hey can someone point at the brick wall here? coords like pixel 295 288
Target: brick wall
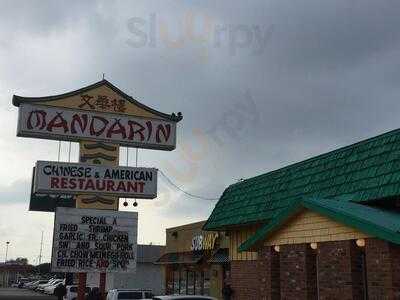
pixel 383 269
pixel 268 269
pixel 340 270
pixel 297 272
pixel 395 257
pixel 245 280
pixel 345 271
pixel 358 270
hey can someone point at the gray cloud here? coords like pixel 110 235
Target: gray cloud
pixel 17 192
pixel 327 76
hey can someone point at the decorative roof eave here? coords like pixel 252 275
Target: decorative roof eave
pixel 276 223
pixel 17 100
pixel 366 219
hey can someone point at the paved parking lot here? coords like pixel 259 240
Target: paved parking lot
pixel 22 294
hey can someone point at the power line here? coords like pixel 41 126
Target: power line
pixel 41 249
pixel 183 191
pixel 59 151
pixel 69 151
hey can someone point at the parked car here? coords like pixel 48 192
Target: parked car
pixel 49 289
pixel 117 294
pixel 40 287
pixel 22 282
pixel 34 285
pixel 184 297
pixel 72 291
pixel 28 284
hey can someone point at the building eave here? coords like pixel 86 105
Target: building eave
pixel 369 220
pixel 17 100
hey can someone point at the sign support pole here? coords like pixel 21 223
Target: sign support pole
pixel 102 285
pixel 95 153
pixel 81 286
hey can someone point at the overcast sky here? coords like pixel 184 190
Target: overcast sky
pixel 261 84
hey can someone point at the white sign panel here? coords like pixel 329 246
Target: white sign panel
pixel 204 242
pixel 89 240
pixel 76 178
pixel 54 123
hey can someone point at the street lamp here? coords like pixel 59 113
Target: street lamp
pixel 7 243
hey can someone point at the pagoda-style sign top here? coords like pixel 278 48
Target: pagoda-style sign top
pixel 98 112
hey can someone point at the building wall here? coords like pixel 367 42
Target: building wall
pixel 308 227
pixel 11 273
pixel 337 269
pixel 182 241
pixel 305 227
pixel 236 238
pixel 179 239
pixel 4 279
pixel 216 281
pixel 383 269
pixel 297 272
pixel 268 269
pixel 147 276
pixel 245 280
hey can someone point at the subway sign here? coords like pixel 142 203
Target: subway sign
pixel 204 241
pixel 40 121
pixel 76 178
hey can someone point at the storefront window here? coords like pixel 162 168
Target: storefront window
pixel 183 290
pixel 206 289
pixel 190 289
pixel 176 282
pixel 198 284
pixel 170 285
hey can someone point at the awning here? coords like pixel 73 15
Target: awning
pixel 180 258
pixel 221 256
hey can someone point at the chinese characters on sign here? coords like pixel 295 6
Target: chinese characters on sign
pixel 76 125
pixel 76 178
pixel 102 102
pixel 88 240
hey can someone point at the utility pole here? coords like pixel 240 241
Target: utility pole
pixel 41 248
pixel 7 243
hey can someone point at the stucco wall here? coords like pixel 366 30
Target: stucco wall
pixel 179 239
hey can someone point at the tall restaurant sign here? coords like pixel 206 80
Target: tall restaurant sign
pixel 89 240
pixel 102 118
pixel 76 178
pixel 53 123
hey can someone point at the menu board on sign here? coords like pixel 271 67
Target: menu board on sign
pixel 89 240
pixel 76 178
pixel 55 123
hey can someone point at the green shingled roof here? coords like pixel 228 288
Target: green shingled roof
pixel 362 172
pixel 374 221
